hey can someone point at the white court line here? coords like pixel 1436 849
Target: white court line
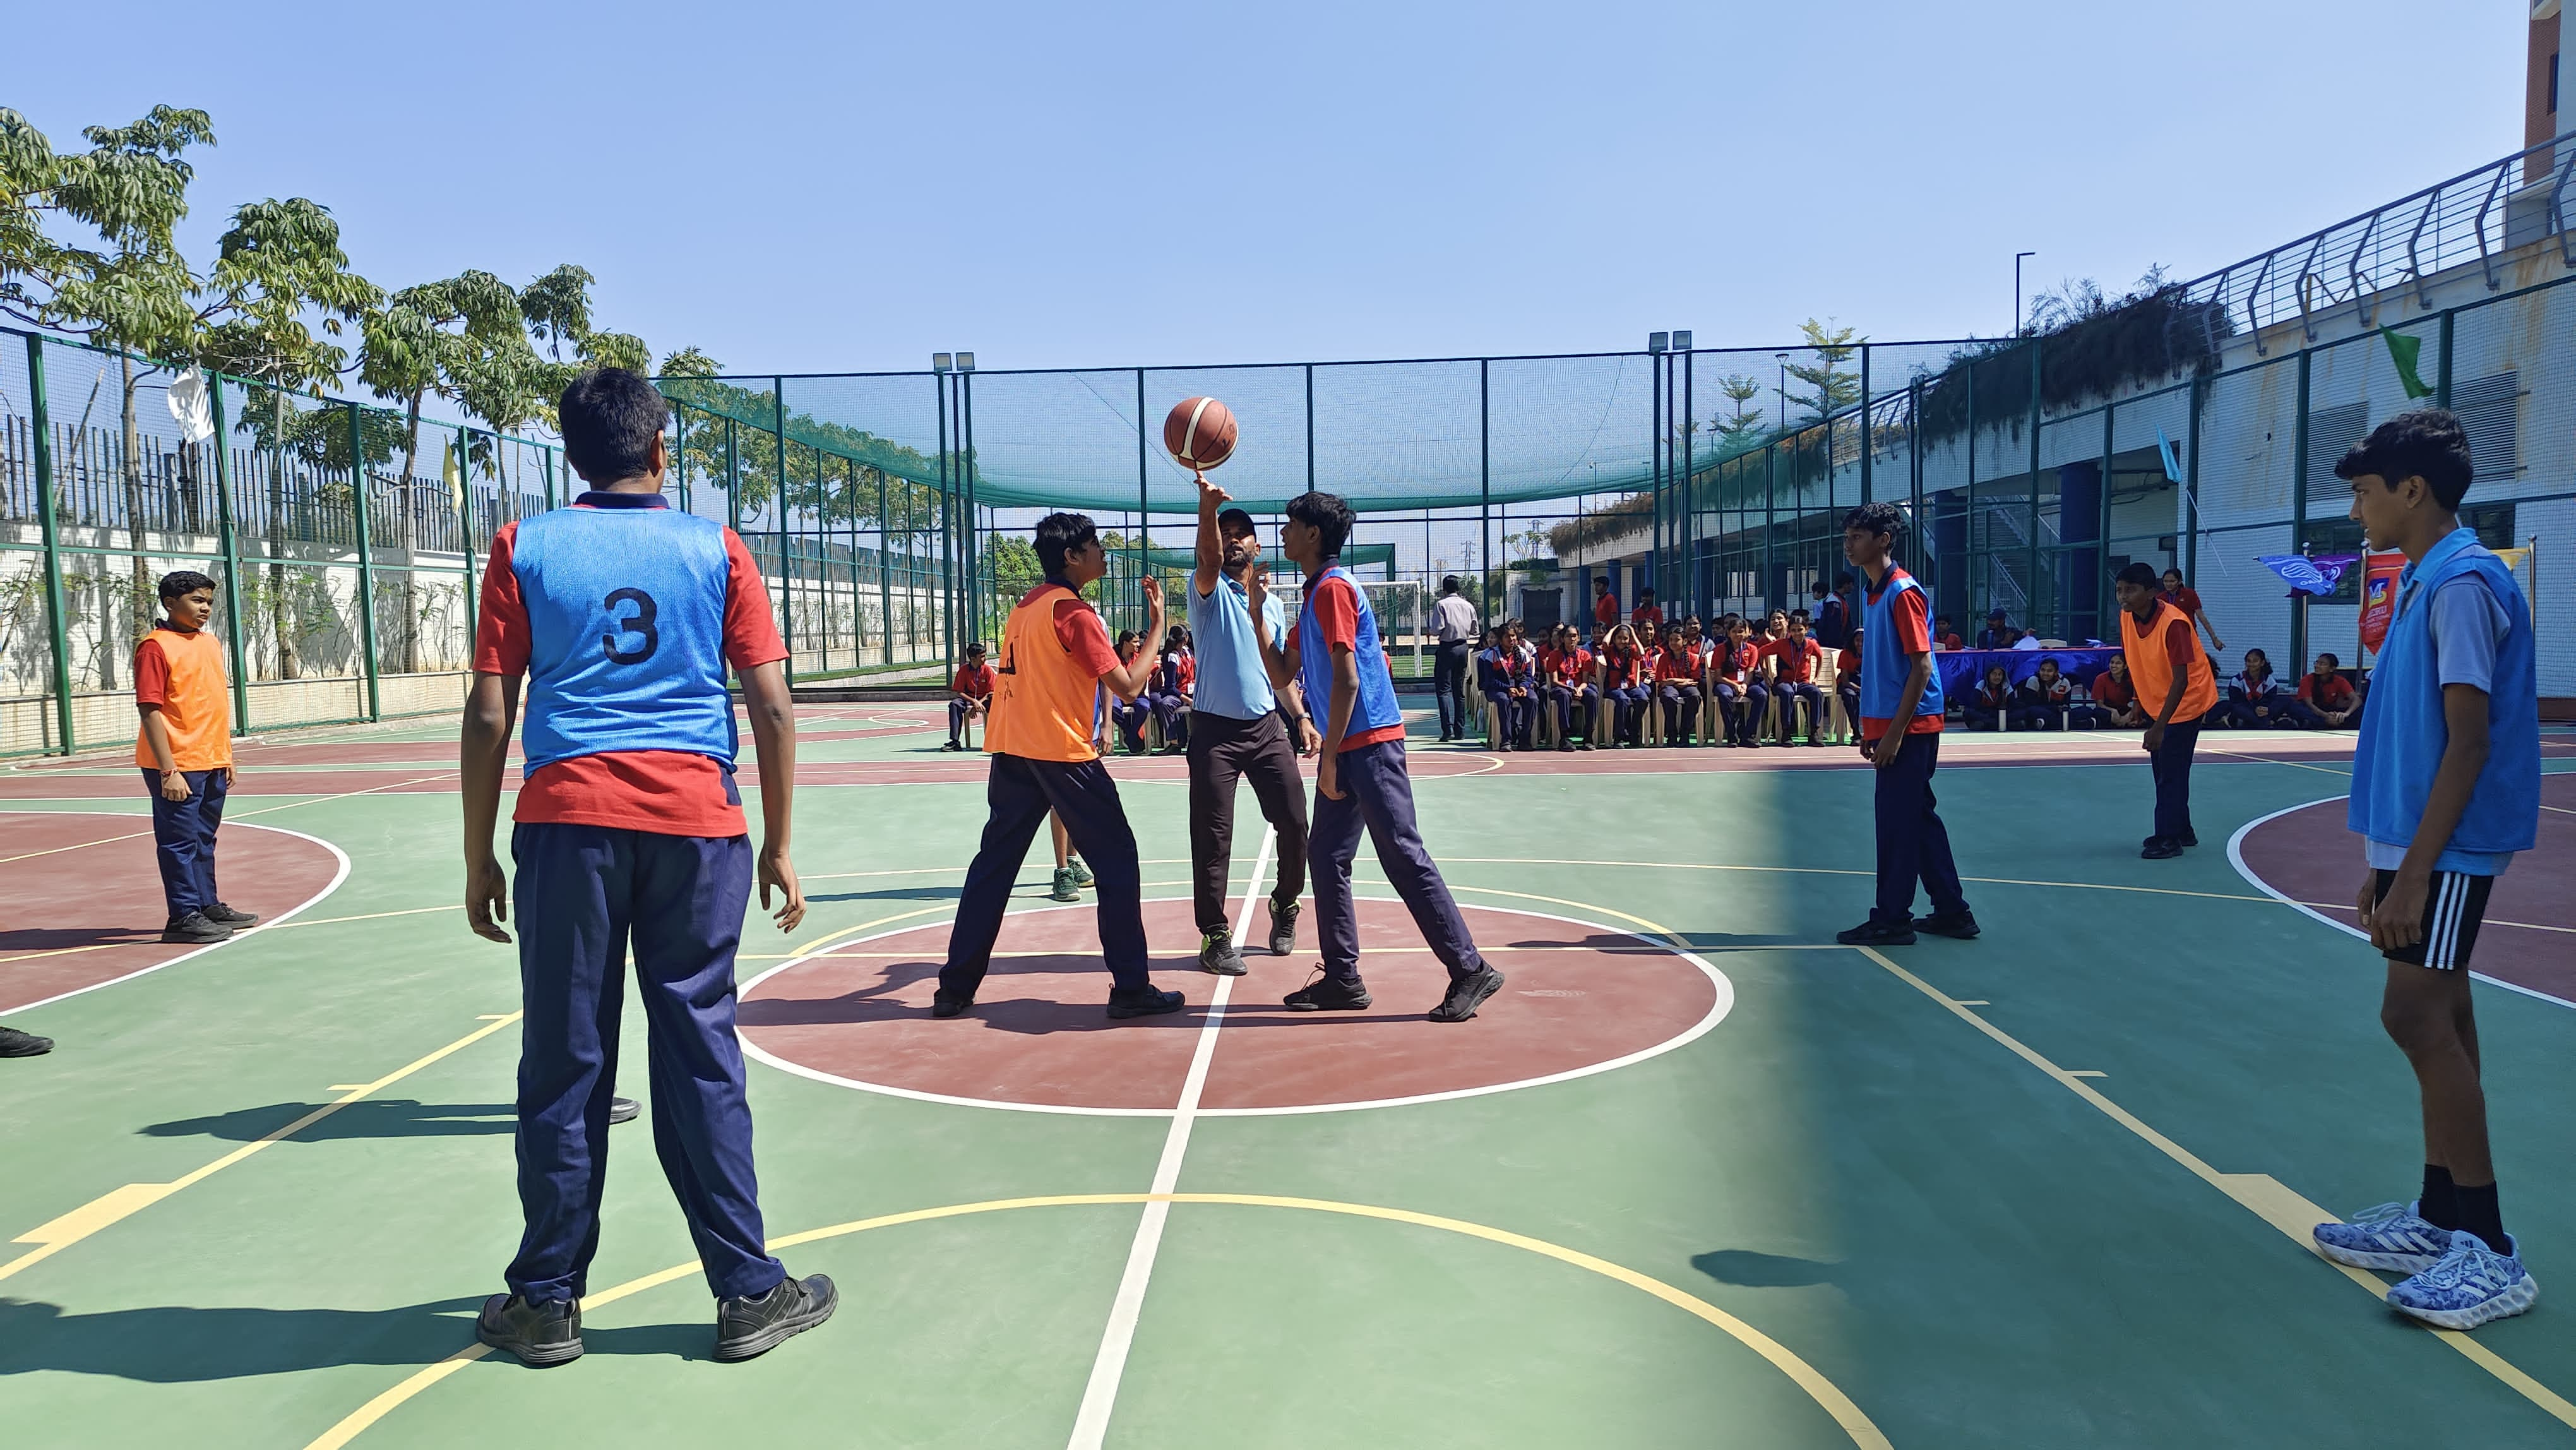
pixel 1091 1423
pixel 337 876
pixel 2236 858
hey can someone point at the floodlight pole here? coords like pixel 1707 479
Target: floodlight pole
pixel 947 593
pixel 974 545
pixel 1485 485
pixel 1690 518
pixel 1144 505
pixel 786 546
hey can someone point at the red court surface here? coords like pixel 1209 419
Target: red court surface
pixel 1578 997
pixel 2529 939
pixel 93 882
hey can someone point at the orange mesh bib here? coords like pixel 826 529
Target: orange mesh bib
pixel 197 714
pixel 1042 696
pixel 2152 673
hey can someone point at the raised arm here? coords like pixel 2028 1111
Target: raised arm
pixel 1128 680
pixel 1211 549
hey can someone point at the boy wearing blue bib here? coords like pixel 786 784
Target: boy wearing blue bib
pixel 2445 789
pixel 1900 732
pixel 1333 653
pixel 623 615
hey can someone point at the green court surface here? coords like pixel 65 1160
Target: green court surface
pixel 2045 1188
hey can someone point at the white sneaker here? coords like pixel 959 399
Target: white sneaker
pixel 2471 1285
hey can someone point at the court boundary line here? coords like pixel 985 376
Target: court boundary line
pixel 338 875
pixel 2236 858
pixel 1718 1011
pixel 1820 1390
pixel 2260 1194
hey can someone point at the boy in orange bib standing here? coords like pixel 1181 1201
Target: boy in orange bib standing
pixel 2176 687
pixel 185 748
pixel 1055 658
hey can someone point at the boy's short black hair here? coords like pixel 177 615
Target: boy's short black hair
pixel 2327 658
pixel 2141 574
pixel 1881 518
pixel 1327 515
pixel 976 648
pixel 610 418
pixel 1648 592
pixel 2427 443
pixel 1059 535
pixel 180 583
pixel 1235 520
pixel 1448 583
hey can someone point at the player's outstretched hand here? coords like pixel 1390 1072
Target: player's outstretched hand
pixel 775 871
pixel 1209 492
pixel 487 899
pixel 1153 594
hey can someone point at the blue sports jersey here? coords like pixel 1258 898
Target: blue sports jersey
pixel 626 614
pixel 1375 708
pixel 1884 665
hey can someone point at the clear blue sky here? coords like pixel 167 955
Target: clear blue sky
pixel 813 187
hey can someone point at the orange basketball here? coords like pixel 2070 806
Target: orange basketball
pixel 1199 433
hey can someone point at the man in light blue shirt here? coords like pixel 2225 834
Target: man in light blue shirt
pixel 1239 728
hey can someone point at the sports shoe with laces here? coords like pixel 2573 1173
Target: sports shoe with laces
pixel 943 1005
pixel 1283 928
pixel 1142 1002
pixel 1466 994
pixel 1081 873
pixel 539 1334
pixel 14 1043
pixel 1217 954
pixel 1877 933
pixel 2161 849
pixel 1959 927
pixel 2384 1236
pixel 222 915
pixel 1329 994
pixel 2469 1285
pixel 195 929
pixel 759 1324
pixel 623 1110
pixel 1064 888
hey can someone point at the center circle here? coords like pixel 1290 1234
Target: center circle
pixel 1579 999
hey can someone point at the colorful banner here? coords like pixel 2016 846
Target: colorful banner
pixel 2379 598
pixel 2316 574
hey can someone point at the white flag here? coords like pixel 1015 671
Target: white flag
pixel 190 404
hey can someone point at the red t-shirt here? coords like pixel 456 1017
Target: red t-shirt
pixel 1797 658
pixel 1079 630
pixel 1570 668
pixel 667 792
pixel 1645 612
pixel 1677 664
pixel 1847 666
pixel 1910 615
pixel 2334 694
pixel 1337 613
pixel 975 682
pixel 1952 641
pixel 2109 689
pixel 2186 599
pixel 1605 611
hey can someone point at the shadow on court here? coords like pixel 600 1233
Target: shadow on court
pixel 170 1344
pixel 1750 1270
pixel 64 938
pixel 369 1118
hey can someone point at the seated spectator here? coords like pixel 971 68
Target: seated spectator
pixel 2255 700
pixel 2117 694
pixel 1569 673
pixel 1130 715
pixel 1494 683
pixel 1627 684
pixel 1847 681
pixel 1998 633
pixel 1790 664
pixel 1736 681
pixel 2326 699
pixel 1991 703
pixel 1679 671
pixel 1647 610
pixel 2044 699
pixel 1520 680
pixel 1944 637
pixel 1174 680
pixel 970 694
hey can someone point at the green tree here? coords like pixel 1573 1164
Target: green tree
pixel 1743 418
pixel 1833 389
pixel 558 308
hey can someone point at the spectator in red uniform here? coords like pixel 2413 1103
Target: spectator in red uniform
pixel 970 694
pixel 1791 665
pixel 2326 700
pixel 2187 599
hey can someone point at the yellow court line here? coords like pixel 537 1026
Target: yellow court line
pixel 369 916
pixel 54 1237
pixel 1828 1396
pixel 2266 1197
pixel 75 951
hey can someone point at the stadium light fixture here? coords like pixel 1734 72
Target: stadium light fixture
pixel 939 362
pixel 965 362
pixel 1681 342
pixel 1657 341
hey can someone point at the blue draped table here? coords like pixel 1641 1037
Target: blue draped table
pixel 1963 669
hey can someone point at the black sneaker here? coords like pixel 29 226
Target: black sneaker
pixel 1283 928
pixel 539 1334
pixel 952 745
pixel 943 1005
pixel 747 1327
pixel 2162 848
pixel 623 1110
pixel 1962 927
pixel 195 929
pixel 1329 994
pixel 1147 1001
pixel 14 1043
pixel 1466 994
pixel 1877 933
pixel 2189 838
pixel 222 915
pixel 1217 954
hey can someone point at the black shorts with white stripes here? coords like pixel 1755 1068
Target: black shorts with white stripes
pixel 2454 907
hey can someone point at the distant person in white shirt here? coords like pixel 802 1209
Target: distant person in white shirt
pixel 1454 621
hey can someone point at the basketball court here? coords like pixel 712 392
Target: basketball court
pixel 1695 1176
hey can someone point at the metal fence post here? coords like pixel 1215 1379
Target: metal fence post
pixel 1144 508
pixel 1493 609
pixel 2442 364
pixel 1929 556
pixel 974 544
pixel 1868 444
pixel 2299 502
pixel 360 506
pixel 2030 550
pixel 2191 483
pixel 1310 440
pixel 885 570
pixel 947 595
pixel 230 542
pixel 42 422
pixel 786 563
